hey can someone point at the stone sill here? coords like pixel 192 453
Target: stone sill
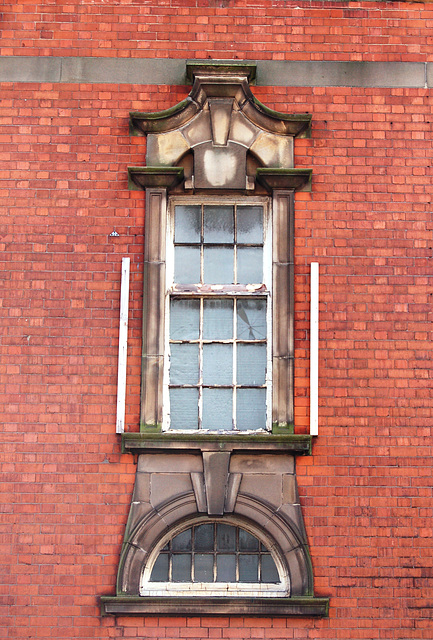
pixel 298 444
pixel 214 606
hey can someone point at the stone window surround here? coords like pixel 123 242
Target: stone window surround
pixel 213 487
pixel 154 310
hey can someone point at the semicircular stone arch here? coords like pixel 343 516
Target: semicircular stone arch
pixel 277 531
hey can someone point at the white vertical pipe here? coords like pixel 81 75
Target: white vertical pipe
pixel 314 349
pixel 123 346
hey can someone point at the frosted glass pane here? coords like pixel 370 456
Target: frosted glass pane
pixel 248 568
pixel 269 570
pixel 184 408
pixel 184 364
pixel 184 319
pixel 218 265
pixel 160 569
pixel 181 567
pixel 250 224
pixel 217 364
pixel 250 265
pixel 203 567
pixel 251 319
pixel 226 537
pixel 187 223
pixel 251 364
pixel 203 537
pixel 217 408
pixel 251 409
pixel 226 568
pixel 182 542
pixel 218 224
pixel 247 542
pixel 187 265
pixel 217 319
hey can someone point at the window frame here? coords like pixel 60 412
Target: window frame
pixel 228 291
pixel 154 309
pixel 215 589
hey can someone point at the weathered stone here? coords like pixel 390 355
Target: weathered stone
pixel 198 130
pixel 273 150
pixel 164 486
pixel 220 167
pixel 264 463
pixel 167 462
pixel 165 149
pixel 242 130
pixel 264 486
pixel 220 116
pixel 216 466
pixel 141 487
pixel 198 485
pixel 232 492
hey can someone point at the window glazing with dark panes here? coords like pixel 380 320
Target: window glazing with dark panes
pixel 219 364
pixel 212 553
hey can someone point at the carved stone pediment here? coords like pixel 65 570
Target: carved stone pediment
pixel 221 125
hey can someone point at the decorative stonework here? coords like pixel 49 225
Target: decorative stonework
pixel 228 132
pixel 220 140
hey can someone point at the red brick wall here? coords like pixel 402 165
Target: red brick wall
pixel 64 149
pixel 257 29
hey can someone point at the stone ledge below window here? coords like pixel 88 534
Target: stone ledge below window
pixel 215 606
pixel 299 444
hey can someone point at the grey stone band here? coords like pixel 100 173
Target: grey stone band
pixel 172 72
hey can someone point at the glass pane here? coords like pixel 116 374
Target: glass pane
pixel 226 568
pixel 184 408
pixel 181 567
pixel 203 537
pixel 250 265
pixel 247 542
pixel 269 570
pixel 218 265
pixel 217 364
pixel 184 364
pixel 182 542
pixel 187 265
pixel 249 568
pixel 217 319
pixel 160 569
pixel 226 537
pixel 250 224
pixel 251 319
pixel 187 223
pixel 184 319
pixel 203 567
pixel 217 409
pixel 251 409
pixel 218 224
pixel 251 364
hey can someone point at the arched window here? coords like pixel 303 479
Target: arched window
pixel 215 557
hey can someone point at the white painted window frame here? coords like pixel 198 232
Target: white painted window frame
pixel 266 203
pixel 212 589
